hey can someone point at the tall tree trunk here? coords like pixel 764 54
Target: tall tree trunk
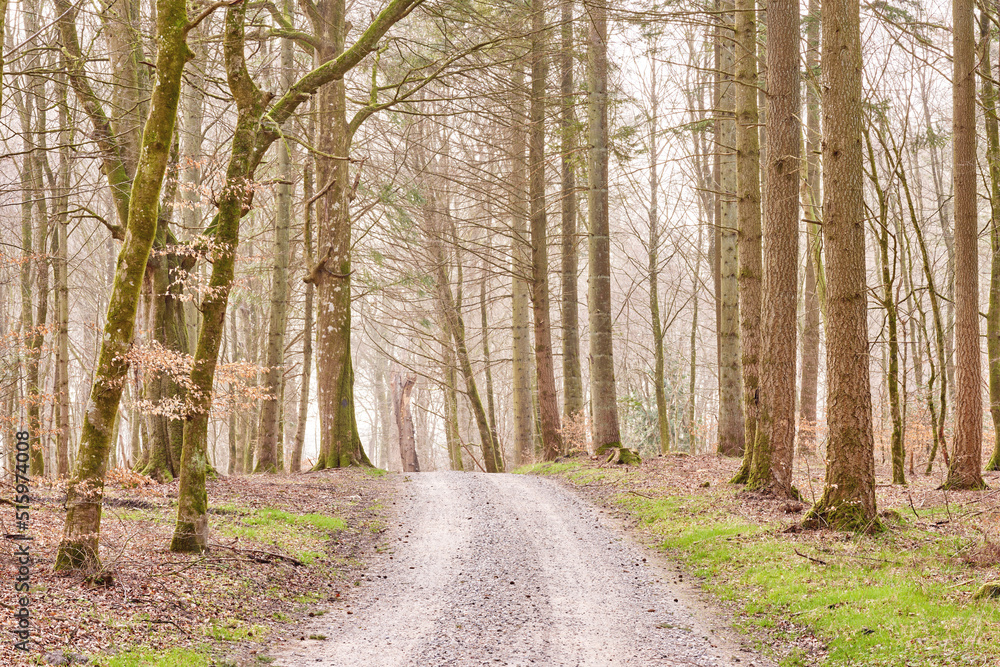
pixel 340 443
pixel 191 529
pixel 487 363
pixel 603 395
pixel 307 326
pixel 85 492
pixel 731 426
pixel 454 326
pixel 775 446
pixel 572 371
pixel 748 214
pixel 848 501
pixel 813 198
pixel 451 430
pixel 989 99
pixel 889 303
pixel 548 406
pixel 966 461
pixel 229 353
pixel 653 270
pixel 270 411
pixel 520 267
pixel 62 281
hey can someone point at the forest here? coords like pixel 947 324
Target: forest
pixel 262 237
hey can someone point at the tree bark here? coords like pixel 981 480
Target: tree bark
pixel 966 461
pixel 989 99
pixel 520 267
pixel 602 370
pixel 191 528
pixel 271 408
pixel 78 548
pixel 848 501
pixel 401 389
pixel 775 445
pixel 653 269
pixel 548 406
pixel 748 214
pixel 572 371
pixel 731 425
pixel 813 198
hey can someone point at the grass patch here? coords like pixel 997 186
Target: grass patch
pixel 375 472
pixel 302 535
pixel 898 598
pixel 234 630
pixel 177 657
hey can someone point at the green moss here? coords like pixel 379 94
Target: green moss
pixel 234 630
pixel 548 468
pixel 302 535
pixel 900 597
pixel 375 472
pixel 177 657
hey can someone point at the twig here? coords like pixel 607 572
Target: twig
pixel 910 498
pixel 641 494
pixel 266 554
pixel 815 560
pixel 473 457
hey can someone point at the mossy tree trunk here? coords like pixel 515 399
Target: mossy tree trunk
pixel 191 528
pixel 79 545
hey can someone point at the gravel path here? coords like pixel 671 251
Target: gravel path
pixel 512 570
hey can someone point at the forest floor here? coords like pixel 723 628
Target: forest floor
pixel 280 545
pixel 904 596
pixel 298 559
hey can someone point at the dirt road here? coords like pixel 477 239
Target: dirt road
pixel 511 570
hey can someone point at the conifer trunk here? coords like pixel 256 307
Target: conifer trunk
pixel 603 394
pixel 774 447
pixel 748 214
pixel 964 470
pixel 848 501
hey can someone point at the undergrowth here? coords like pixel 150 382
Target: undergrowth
pixel 303 535
pixel 899 598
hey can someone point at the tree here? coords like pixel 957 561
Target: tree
pixel 748 215
pixel 402 387
pixel 269 447
pixel 548 408
pixel 964 471
pixel 84 494
pixel 603 395
pixel 812 286
pixel 989 101
pixel 731 426
pixel 662 420
pixel 572 373
pixel 848 500
pixel 774 447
